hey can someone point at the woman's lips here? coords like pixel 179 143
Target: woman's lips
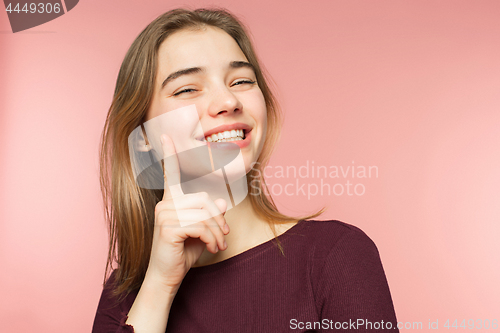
pixel 241 143
pixel 228 144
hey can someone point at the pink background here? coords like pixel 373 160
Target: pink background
pixel 411 87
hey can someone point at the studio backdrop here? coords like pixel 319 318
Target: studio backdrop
pixel 392 118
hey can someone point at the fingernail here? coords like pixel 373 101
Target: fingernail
pixel 161 139
pixel 225 245
pixel 216 249
pixel 226 228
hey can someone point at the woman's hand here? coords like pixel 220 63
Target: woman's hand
pixel 176 248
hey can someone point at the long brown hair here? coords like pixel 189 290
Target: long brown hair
pixel 129 209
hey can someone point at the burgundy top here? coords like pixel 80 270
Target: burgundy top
pixel 330 279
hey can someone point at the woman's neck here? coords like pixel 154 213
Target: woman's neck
pixel 247 230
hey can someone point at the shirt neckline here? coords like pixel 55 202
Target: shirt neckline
pixel 248 253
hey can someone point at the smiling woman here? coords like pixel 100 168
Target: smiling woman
pixel 248 268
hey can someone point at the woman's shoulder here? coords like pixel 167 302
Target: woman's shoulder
pixel 347 275
pixel 327 236
pixel 329 230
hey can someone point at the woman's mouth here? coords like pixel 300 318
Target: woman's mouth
pixel 239 137
pixel 226 136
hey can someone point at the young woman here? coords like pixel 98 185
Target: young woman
pixel 246 269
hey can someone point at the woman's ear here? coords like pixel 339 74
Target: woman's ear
pixel 142 146
pixel 138 141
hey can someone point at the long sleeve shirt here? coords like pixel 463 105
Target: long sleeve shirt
pixel 330 279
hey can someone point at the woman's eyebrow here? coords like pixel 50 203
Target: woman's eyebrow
pixel 194 70
pixel 240 64
pixel 182 72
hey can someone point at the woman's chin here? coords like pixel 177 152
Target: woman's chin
pixel 220 162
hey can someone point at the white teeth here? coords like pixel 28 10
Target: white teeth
pixel 233 135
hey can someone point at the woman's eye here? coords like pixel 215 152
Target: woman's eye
pixel 244 81
pixel 183 91
pixel 235 84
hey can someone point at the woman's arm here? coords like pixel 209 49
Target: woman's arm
pixel 174 251
pixel 111 315
pixel 149 313
pixel 143 311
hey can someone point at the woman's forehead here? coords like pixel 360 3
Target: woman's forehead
pixel 190 48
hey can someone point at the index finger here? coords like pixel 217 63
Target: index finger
pixel 171 170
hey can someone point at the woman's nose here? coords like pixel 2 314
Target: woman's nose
pixel 223 100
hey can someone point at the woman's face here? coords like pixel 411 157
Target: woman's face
pixel 207 69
